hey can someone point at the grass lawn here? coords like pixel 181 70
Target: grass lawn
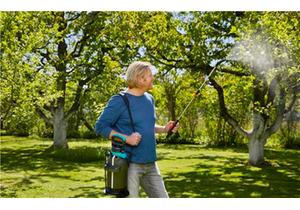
pixel 27 171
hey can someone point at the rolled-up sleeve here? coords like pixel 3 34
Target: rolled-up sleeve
pixel 109 116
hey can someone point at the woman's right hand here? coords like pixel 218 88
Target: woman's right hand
pixel 134 139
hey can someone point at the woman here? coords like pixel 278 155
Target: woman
pixel 140 145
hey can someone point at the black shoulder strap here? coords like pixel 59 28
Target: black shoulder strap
pixel 126 101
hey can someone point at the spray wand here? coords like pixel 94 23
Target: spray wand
pixel 187 106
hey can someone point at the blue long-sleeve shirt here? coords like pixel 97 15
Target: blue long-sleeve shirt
pixel 116 117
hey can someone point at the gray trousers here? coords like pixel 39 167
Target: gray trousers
pixel 148 177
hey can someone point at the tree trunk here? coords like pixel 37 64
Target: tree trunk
pixel 60 129
pixel 59 119
pixel 256 151
pixel 171 101
pixel 257 139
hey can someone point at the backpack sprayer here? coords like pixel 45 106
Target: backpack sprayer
pixel 116 162
pixel 187 106
pixel 116 167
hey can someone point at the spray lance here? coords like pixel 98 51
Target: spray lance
pixel 187 106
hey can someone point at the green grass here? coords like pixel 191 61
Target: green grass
pixel 28 170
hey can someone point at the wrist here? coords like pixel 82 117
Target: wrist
pixel 161 129
pixel 165 129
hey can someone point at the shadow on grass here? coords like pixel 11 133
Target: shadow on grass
pixel 29 159
pixel 232 177
pixel 208 175
pixel 88 192
pixel 27 166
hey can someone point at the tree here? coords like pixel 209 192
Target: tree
pixel 73 50
pixel 273 67
pixel 186 41
pixel 267 55
pixel 16 111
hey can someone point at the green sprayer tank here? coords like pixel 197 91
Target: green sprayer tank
pixel 116 168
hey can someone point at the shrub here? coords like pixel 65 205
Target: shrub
pixel 175 139
pixel 80 155
pixel 89 135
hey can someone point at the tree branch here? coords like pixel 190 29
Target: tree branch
pixel 76 102
pixel 272 91
pixel 43 116
pixel 176 65
pixel 229 71
pixel 82 42
pixel 87 125
pixel 223 110
pixel 293 101
pixel 76 53
pixel 279 115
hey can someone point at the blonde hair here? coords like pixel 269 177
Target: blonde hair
pixel 135 71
